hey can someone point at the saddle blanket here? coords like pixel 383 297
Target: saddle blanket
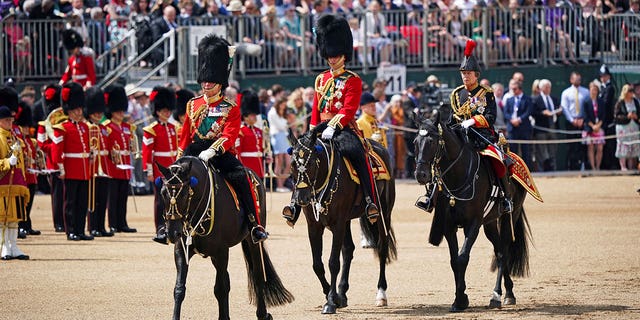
pixel 378 167
pixel 520 172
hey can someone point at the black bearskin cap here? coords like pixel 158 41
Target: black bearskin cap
pixel 182 98
pixel 213 61
pixel 71 39
pixel 94 98
pixel 333 37
pixel 9 98
pixel 250 103
pixel 52 97
pixel 470 62
pixel 115 98
pixel 23 115
pixel 72 96
pixel 162 98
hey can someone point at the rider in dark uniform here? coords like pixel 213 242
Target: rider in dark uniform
pixel 212 124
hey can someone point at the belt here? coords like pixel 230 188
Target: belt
pixel 76 155
pixel 326 116
pixel 165 153
pixel 123 152
pixel 256 154
pixel 103 152
pixel 79 77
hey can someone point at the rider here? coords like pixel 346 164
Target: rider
pixel 212 124
pixel 336 100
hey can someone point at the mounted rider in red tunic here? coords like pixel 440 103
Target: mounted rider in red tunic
pixel 212 124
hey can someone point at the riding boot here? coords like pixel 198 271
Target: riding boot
pixel 240 182
pixel 507 204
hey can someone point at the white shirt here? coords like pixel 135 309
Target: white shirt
pixel 277 123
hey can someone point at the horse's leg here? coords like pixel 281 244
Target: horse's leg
pixel 452 241
pixel 338 232
pixel 383 253
pixel 462 260
pixel 222 287
pixel 347 256
pixel 316 231
pixel 491 231
pixel 180 289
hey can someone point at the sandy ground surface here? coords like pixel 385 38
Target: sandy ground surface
pixel 585 264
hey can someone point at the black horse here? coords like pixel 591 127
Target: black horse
pixel 331 199
pixel 465 193
pixel 203 216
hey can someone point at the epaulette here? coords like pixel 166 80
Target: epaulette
pixel 352 74
pixel 487 88
pixel 232 103
pixel 149 129
pixel 59 126
pixel 318 80
pixel 106 122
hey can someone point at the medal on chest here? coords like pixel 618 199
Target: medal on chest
pixel 478 104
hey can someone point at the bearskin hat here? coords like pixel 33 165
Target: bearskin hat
pixel 72 96
pixel 470 62
pixel 213 61
pixel 9 98
pixel 162 98
pixel 24 118
pixel 71 39
pixel 182 98
pixel 333 37
pixel 115 99
pixel 51 97
pixel 250 103
pixel 94 101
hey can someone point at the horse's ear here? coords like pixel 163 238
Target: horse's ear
pixel 444 113
pixel 293 141
pixel 163 170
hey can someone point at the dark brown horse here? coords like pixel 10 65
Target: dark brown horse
pixel 331 199
pixel 465 195
pixel 202 217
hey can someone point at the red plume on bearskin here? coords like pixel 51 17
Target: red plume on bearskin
pixel 106 98
pixel 468 50
pixel 66 91
pixel 153 95
pixel 50 93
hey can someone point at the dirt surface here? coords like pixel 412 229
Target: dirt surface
pixel 585 264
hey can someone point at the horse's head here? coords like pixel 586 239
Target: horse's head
pixel 305 163
pixel 428 146
pixel 177 192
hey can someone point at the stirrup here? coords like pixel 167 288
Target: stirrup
pixel 258 234
pixel 507 205
pixel 372 212
pixel 426 204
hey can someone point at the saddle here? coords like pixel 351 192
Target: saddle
pixel 518 170
pixel 378 167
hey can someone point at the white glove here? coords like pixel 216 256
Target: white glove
pixel 13 160
pixel 468 123
pixel 149 170
pixel 207 154
pixel 328 133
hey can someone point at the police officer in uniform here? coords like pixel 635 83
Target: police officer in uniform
pixel 212 124
pixel 71 152
pixel 80 66
pixel 160 144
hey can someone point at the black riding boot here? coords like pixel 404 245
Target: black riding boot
pixel 238 179
pixel 366 183
pixel 507 204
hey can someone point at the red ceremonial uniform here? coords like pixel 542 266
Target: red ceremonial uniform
pixel 44 138
pixel 337 99
pixel 250 148
pixel 119 146
pixel 71 149
pixel 80 69
pixel 100 165
pixel 159 143
pixel 218 121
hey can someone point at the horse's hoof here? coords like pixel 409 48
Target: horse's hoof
pixel 329 309
pixel 495 304
pixel 266 317
pixel 510 301
pixel 381 302
pixel 342 301
pixel 460 304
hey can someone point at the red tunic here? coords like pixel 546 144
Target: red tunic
pixel 80 69
pixel 337 99
pixel 100 167
pixel 219 122
pixel 119 146
pixel 71 149
pixel 250 148
pixel 159 143
pixel 44 138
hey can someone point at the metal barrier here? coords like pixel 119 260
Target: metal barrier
pixel 418 39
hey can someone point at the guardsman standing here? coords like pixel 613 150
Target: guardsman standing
pixel 21 128
pixel 119 144
pixel 99 186
pixel 368 123
pixel 71 152
pixel 249 144
pixel 80 66
pixel 45 143
pixel 212 124
pixel 160 144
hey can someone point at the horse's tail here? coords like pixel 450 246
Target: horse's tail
pixel 275 294
pixel 518 255
pixel 372 234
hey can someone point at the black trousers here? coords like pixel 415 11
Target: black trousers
pixel 26 225
pixel 57 199
pixel 351 147
pixel 118 194
pixel 97 217
pixel 233 171
pixel 76 199
pixel 158 207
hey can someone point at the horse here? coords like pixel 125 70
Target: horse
pixel 462 185
pixel 203 216
pixel 331 199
